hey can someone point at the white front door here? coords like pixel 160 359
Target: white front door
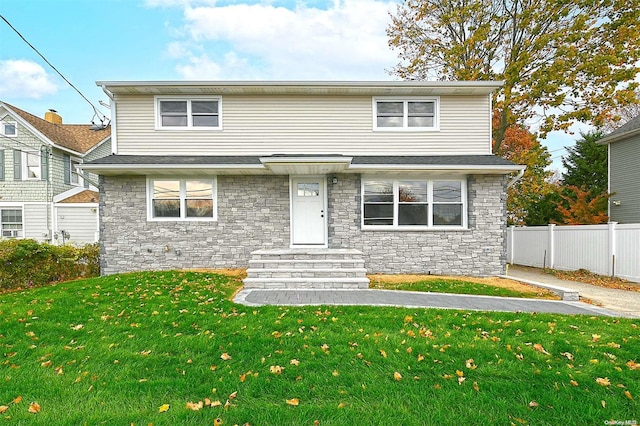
pixel 308 211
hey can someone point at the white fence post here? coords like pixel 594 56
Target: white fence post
pixel 612 248
pixel 511 247
pixel 551 246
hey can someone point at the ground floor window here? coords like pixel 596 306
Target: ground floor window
pixel 11 222
pixel 414 203
pixel 181 199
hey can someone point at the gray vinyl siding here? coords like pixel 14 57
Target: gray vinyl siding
pixel 102 150
pixel 261 125
pixel 35 218
pixel 624 175
pixel 80 221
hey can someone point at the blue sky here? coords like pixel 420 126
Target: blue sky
pixel 89 40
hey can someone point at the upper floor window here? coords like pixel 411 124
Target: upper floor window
pixel 201 113
pixel 11 222
pixel 75 176
pixel 414 203
pixel 188 199
pixel 31 168
pixel 405 114
pixel 9 128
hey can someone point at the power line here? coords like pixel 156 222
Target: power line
pixel 95 110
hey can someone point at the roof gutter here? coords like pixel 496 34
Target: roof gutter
pixel 516 178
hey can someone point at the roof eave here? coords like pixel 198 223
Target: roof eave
pixel 619 136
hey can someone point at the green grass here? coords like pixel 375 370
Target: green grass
pixel 128 344
pixel 439 285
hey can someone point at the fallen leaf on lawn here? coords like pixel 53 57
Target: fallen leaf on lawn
pixel 603 382
pixel 294 401
pixel 225 356
pixel 233 395
pixel 538 347
pixel 613 345
pixel 216 403
pixel 383 353
pixel 470 364
pixel 459 373
pixel 163 408
pixel 294 362
pixel 573 383
pixel 476 387
pixel 276 369
pixel 520 357
pixel 533 404
pixel 77 327
pixel 227 405
pixel 397 376
pixel 195 406
pixel 633 365
pixel 568 355
pixel 595 337
pixel 34 408
pixel 420 358
pixel 217 422
pixel 628 394
pixel 3 408
pixel 335 373
pixel 461 379
pixel 603 403
pixel 243 377
pixel 17 399
pixel 46 364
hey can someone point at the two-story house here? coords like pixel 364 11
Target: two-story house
pixel 303 182
pixel 43 195
pixel 624 172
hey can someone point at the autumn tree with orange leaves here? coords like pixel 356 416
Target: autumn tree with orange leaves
pixel 522 147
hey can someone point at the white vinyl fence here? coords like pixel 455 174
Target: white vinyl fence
pixel 610 249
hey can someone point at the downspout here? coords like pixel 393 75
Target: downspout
pixel 516 178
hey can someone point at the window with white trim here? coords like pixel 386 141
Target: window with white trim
pixel 187 199
pixel 9 128
pixel 31 167
pixel 74 175
pixel 405 114
pixel 11 222
pixel 414 203
pixel 197 113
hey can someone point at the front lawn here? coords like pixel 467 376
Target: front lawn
pixel 152 348
pixel 488 286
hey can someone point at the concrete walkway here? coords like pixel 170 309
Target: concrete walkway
pixel 293 297
pixel 627 303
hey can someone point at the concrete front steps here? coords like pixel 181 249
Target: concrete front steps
pixel 306 268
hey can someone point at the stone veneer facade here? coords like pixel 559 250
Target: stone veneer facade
pixel 253 213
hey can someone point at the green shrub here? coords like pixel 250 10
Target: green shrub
pixel 27 263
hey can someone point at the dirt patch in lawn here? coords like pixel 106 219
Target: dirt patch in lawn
pixel 506 283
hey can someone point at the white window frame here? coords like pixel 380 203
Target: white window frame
pixel 73 171
pixel 396 202
pixel 4 129
pixel 183 198
pixel 15 233
pixel 188 100
pixel 405 126
pixel 25 165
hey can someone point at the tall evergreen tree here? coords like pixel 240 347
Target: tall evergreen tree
pixel 586 164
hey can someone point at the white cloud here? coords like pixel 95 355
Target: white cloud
pixel 345 40
pixel 20 78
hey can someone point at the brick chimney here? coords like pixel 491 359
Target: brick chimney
pixel 52 116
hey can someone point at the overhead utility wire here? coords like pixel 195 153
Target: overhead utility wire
pixel 95 110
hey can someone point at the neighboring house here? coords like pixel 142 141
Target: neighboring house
pixel 303 182
pixel 43 195
pixel 624 172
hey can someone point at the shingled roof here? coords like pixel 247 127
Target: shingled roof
pixel 76 137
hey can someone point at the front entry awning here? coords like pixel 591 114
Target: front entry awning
pixel 301 164
pixel 306 164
